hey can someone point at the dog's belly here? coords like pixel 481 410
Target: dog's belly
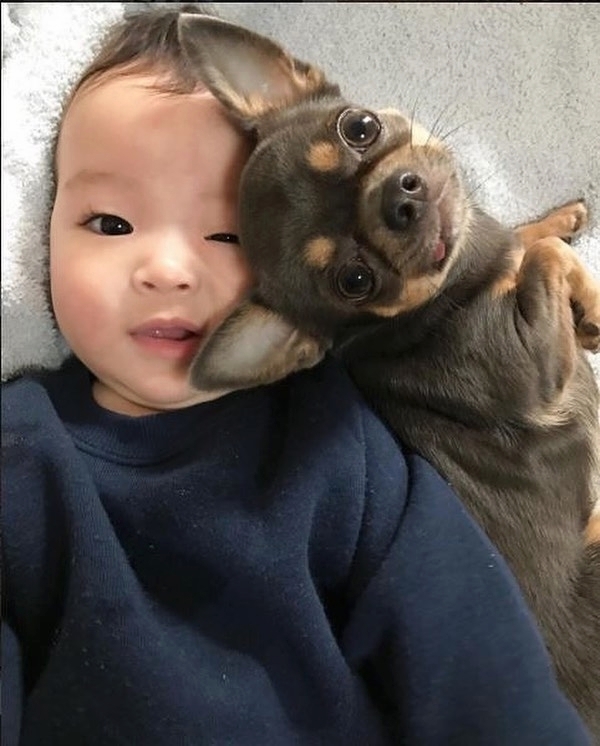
pixel 527 481
pixel 516 435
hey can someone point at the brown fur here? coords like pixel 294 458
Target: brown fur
pixel 319 252
pixel 324 156
pixel 464 335
pixel 592 530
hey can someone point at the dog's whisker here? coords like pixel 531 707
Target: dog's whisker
pixel 480 184
pixel 437 120
pixel 412 122
pixel 454 130
pixel 436 123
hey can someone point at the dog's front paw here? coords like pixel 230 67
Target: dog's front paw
pixel 587 322
pixel 562 222
pixel 568 220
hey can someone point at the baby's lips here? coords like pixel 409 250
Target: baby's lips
pixel 174 332
pixel 175 329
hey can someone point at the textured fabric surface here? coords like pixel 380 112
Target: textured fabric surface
pixel 45 47
pixel 515 86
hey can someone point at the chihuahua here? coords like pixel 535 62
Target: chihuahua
pixel 465 336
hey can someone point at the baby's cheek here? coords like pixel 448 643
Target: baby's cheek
pixel 236 276
pixel 81 308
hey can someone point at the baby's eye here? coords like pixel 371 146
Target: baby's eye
pixel 109 225
pixel 223 237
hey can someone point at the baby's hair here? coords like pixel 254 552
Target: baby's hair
pixel 145 41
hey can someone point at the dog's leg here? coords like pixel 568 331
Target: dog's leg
pixel 551 265
pixel 557 307
pixel 550 281
pixel 563 222
pixel 584 294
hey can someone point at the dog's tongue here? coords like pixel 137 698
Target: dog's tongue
pixel 439 252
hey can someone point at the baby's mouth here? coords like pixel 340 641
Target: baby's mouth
pixel 169 338
pixel 175 333
pixel 167 328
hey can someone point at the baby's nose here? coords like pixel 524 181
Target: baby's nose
pixel 166 268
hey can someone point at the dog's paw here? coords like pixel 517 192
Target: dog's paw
pixel 568 220
pixel 587 324
pixel 588 334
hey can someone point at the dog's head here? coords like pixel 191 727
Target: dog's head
pixel 345 212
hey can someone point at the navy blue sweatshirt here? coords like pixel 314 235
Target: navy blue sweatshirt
pixel 265 569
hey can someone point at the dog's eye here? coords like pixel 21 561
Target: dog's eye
pixel 358 128
pixel 355 281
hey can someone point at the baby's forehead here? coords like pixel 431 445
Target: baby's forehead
pixel 128 125
pixel 123 106
pixel 113 90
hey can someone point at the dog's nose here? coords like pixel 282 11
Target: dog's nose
pixel 404 200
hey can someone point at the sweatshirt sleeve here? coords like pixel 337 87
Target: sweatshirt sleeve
pixel 440 632
pixel 12 687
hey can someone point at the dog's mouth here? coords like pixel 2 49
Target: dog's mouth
pixel 440 253
pixel 411 214
pixel 444 243
pixel 385 271
pixel 429 254
pixel 448 220
pixel 368 270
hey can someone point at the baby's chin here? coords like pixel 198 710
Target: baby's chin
pixel 141 401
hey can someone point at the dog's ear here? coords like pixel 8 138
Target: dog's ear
pixel 249 73
pixel 254 346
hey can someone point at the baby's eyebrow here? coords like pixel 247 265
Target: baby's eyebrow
pixel 89 177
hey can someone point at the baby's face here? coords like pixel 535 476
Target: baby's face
pixel 144 259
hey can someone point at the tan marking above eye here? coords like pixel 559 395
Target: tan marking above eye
pixel 416 292
pixel 323 156
pixel 420 136
pixel 319 252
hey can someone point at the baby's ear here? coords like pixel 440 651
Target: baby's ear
pixel 250 74
pixel 254 346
